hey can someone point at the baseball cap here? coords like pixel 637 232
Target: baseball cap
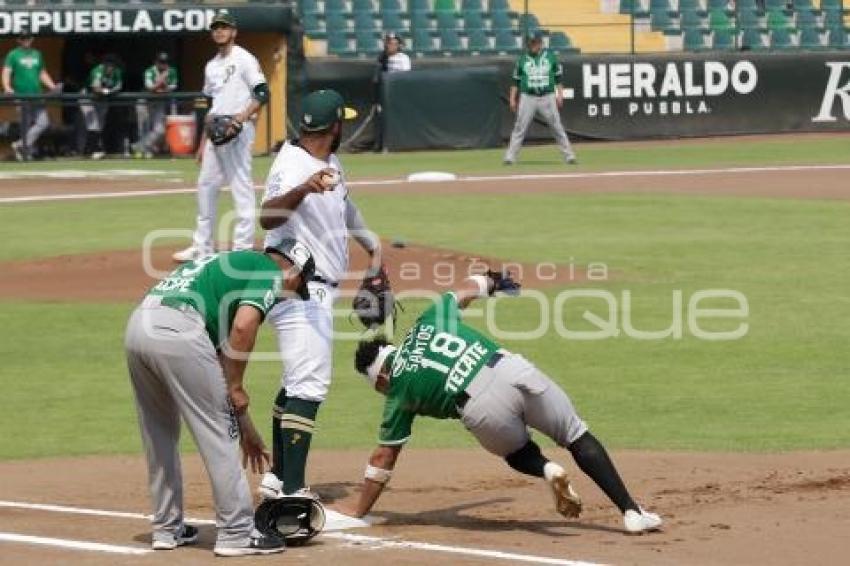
pixel 162 57
pixel 323 108
pixel 223 18
pixel 535 35
pixel 301 258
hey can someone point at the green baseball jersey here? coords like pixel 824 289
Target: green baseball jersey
pixel 537 74
pixel 217 285
pixel 26 66
pixel 440 355
pixel 152 76
pixel 99 78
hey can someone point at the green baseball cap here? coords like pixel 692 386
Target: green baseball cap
pixel 322 109
pixel 223 18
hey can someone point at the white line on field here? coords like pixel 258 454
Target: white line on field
pixel 387 543
pixel 74 544
pixel 470 179
pixel 347 537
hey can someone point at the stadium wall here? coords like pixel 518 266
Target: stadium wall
pixel 623 97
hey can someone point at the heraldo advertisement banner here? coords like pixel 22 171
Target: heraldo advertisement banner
pixel 693 95
pixel 131 19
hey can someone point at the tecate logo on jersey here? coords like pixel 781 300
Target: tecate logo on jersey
pixel 685 86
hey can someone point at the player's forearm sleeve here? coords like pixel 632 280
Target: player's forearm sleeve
pixel 357 227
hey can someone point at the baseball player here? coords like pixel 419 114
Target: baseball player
pixel 537 90
pixel 306 198
pixel 391 60
pixel 159 78
pixel 105 79
pixel 187 346
pixel 446 369
pixel 24 73
pixel 236 84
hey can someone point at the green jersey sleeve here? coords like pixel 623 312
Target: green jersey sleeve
pixel 396 424
pixel 262 291
pixel 444 312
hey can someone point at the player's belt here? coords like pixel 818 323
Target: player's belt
pixel 463 397
pixel 322 280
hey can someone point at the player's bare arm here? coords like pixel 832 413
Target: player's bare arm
pixel 46 80
pixel 512 98
pixel 275 211
pixel 378 473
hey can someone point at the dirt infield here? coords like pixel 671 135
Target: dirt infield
pixel 725 509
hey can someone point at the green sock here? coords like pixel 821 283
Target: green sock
pixel 296 427
pixel 277 434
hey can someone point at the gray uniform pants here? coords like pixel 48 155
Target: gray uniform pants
pixel 150 117
pixel 175 373
pixel 506 399
pixel 94 114
pixel 545 105
pixel 33 123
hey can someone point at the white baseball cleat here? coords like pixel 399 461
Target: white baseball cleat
pixel 98 155
pixel 270 487
pixel 641 521
pixel 189 254
pixel 188 535
pixel 567 501
pixel 18 148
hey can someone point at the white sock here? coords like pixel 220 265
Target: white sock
pixel 551 469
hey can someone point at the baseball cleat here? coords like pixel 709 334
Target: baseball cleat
pixel 641 521
pixel 507 162
pixel 189 254
pixel 189 535
pixel 571 161
pixel 270 487
pixel 567 501
pixel 258 545
pixel 98 155
pixel 18 148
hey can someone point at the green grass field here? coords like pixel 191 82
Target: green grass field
pixel 783 386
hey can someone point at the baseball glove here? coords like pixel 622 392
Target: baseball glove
pixel 502 281
pixel 374 302
pixel 292 518
pixel 221 129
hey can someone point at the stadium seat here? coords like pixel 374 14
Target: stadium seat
pixel 337 6
pixel 392 21
pixel 781 39
pixel 336 21
pixel 746 5
pixel 528 23
pixel 833 18
pixel 837 38
pixel 423 42
pixel 418 6
pixel 831 4
pixel 752 39
pixel 445 6
pixel 450 41
pixel 718 5
pixel 775 4
pixel 421 20
pixel 810 38
pixel 502 20
pixel 309 6
pixel 389 6
pixel 473 5
pixel 659 20
pixel 777 20
pixel 558 41
pixel 748 19
pixel 628 6
pixel 499 6
pixel 803 4
pixel 314 24
pixel 694 39
pixel 367 43
pixel 691 20
pixel 362 6
pixel 689 5
pixel 364 21
pixel 717 19
pixel 447 20
pixel 473 20
pixel 723 39
pixel 478 41
pixel 807 19
pixel 506 40
pixel 655 5
pixel 339 44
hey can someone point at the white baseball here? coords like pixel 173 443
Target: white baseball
pixel 331 179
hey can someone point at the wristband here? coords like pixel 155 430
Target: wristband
pixel 483 284
pixel 376 474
